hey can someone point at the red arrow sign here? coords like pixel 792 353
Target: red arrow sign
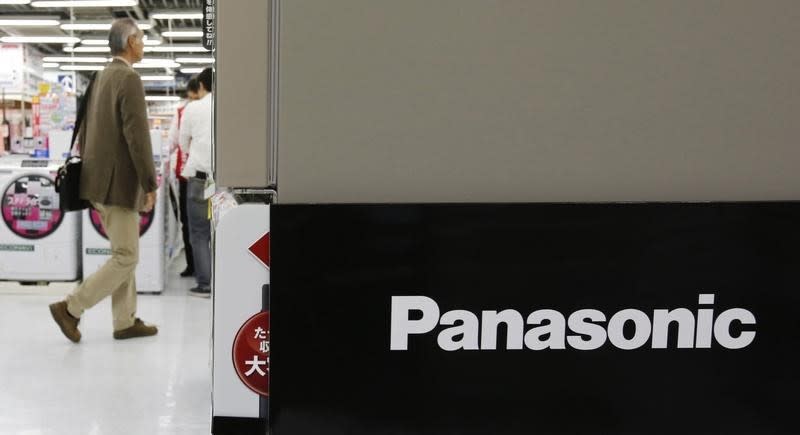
pixel 260 249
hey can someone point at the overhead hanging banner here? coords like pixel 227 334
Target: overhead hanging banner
pixel 546 318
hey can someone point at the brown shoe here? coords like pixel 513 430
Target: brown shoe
pixel 139 329
pixel 65 321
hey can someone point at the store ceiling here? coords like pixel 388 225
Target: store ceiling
pixel 143 13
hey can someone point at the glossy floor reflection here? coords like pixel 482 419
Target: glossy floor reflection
pixel 157 385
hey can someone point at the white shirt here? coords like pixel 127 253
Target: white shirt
pixel 174 128
pixel 195 135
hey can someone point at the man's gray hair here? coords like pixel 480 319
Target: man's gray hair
pixel 121 30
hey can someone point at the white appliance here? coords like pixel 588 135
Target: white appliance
pixel 38 242
pixel 150 270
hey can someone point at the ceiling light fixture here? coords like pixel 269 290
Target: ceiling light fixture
pixel 162 98
pixel 49 65
pixel 165 15
pixel 176 49
pixel 85 3
pixel 87 49
pixel 14 2
pixel 97 42
pixel 99 26
pixel 164 78
pixel 40 39
pixel 82 67
pixel 156 63
pixel 182 34
pixel 27 22
pixel 67 59
pixel 195 60
pixel 192 70
pixel 94 41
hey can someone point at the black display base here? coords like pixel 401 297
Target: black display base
pixel 238 426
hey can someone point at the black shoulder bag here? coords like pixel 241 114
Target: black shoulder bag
pixel 68 177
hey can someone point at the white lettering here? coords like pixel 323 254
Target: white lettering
pixel 402 326
pixel 468 328
pixel 641 332
pixel 705 322
pixel 514 325
pixel 580 322
pixel 554 329
pixel 661 321
pixel 464 330
pixel 722 328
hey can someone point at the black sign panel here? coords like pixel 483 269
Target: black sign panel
pixel 545 319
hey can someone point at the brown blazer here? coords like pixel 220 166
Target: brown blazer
pixel 115 140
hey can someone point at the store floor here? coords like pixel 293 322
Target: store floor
pixel 149 386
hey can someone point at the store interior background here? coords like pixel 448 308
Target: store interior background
pixel 158 385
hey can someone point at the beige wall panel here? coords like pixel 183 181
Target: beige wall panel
pixel 534 100
pixel 242 129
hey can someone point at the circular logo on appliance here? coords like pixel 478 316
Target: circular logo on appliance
pixel 30 207
pixel 251 353
pixel 145 220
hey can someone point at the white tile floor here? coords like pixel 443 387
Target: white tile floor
pixel 150 386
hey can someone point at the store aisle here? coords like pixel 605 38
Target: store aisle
pixel 157 385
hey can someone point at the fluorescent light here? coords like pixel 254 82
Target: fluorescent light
pixel 105 41
pixel 82 67
pixel 99 26
pixel 49 65
pixel 162 98
pixel 192 70
pixel 27 22
pixel 84 3
pixel 40 39
pixel 88 49
pixel 176 49
pixel 183 34
pixel 94 41
pixel 164 78
pixel 195 60
pixel 68 59
pixel 178 15
pixel 157 63
pixel 157 60
pixel 14 2
pixel 86 26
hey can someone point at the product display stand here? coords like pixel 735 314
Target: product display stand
pixel 240 281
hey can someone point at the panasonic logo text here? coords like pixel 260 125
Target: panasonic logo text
pixel 585 329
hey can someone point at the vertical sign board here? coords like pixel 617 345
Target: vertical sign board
pixel 209 20
pixel 241 327
pixel 541 318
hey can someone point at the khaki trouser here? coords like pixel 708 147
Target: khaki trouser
pixel 117 276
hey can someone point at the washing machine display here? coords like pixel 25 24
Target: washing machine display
pixel 145 220
pixel 30 207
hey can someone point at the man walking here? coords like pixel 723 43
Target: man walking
pixel 118 178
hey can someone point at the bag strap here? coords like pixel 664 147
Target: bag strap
pixel 80 118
